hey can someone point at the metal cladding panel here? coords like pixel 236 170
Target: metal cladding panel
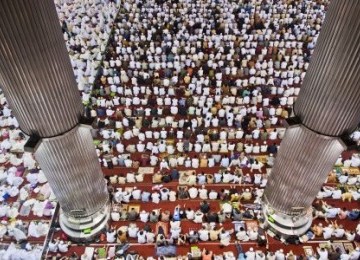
pixel 72 168
pixel 35 69
pixel 301 167
pixel 329 100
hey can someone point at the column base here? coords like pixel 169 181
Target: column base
pixel 287 225
pixel 85 229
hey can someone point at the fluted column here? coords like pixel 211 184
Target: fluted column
pixel 305 164
pixel 81 163
pixel 327 109
pixel 329 99
pixel 39 84
pixel 36 72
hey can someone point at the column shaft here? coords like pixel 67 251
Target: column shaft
pixel 328 107
pixel 75 174
pixel 35 69
pixel 329 100
pixel 302 164
pixel 39 83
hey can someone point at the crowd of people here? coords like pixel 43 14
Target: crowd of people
pixel 27 203
pixel 199 91
pixel 86 27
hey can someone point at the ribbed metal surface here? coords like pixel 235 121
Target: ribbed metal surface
pixel 329 100
pixel 301 167
pixel 35 69
pixel 38 81
pixel 72 168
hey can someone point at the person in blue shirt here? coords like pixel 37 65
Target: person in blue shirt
pixel 354 214
pixel 241 255
pixel 176 215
